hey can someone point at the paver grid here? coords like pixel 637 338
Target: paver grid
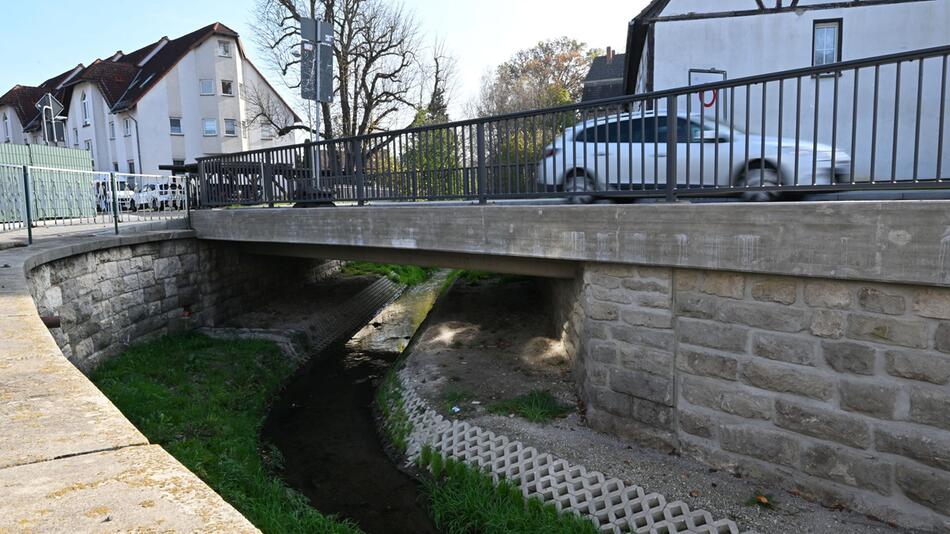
pixel 610 503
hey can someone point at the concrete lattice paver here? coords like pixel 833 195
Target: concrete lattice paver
pixel 612 504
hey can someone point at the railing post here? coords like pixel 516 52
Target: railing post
pixel 26 202
pixel 204 197
pixel 671 140
pixel 360 179
pixel 481 185
pixel 267 175
pixel 188 178
pixel 115 201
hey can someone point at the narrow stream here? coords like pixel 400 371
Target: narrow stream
pixel 323 425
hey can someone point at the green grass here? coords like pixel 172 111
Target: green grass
pixel 464 500
pixel 204 402
pixel 409 275
pixel 389 401
pixel 537 407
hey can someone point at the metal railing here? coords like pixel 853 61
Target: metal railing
pixel 866 124
pixel 32 197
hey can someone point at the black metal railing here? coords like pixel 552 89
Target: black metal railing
pixel 866 124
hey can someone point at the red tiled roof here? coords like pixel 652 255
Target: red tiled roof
pixel 122 82
pixel 112 78
pixel 23 98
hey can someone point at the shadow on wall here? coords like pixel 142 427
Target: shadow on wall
pixel 112 298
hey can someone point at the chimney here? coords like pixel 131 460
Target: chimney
pixel 610 55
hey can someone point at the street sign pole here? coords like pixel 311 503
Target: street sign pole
pixel 316 81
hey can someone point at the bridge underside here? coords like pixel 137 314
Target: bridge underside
pixel 903 242
pixel 426 258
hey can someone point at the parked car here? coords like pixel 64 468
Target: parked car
pixel 125 195
pixel 145 196
pixel 168 195
pixel 628 152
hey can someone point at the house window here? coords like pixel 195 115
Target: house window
pixel 224 48
pixel 6 128
pixel 178 162
pixel 207 87
pixel 174 125
pixel 209 127
pixel 230 127
pixel 111 129
pixel 267 132
pixel 227 88
pixel 826 42
pixel 84 102
pixel 128 127
pixel 131 164
pixel 88 145
pixel 115 166
pixel 76 137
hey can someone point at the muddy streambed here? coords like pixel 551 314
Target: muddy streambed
pixel 324 427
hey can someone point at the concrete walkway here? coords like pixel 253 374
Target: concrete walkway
pixel 69 460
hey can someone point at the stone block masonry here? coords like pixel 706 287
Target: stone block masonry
pixel 109 299
pixel 838 389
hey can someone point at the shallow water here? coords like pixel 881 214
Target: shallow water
pixel 323 426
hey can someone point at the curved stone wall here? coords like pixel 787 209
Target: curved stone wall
pixel 110 298
pixel 69 460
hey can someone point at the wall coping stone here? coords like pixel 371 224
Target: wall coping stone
pixel 69 460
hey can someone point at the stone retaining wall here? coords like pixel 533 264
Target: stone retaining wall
pixel 841 390
pixel 108 299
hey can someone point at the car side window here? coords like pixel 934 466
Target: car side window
pixel 602 133
pixel 686 131
pixel 623 131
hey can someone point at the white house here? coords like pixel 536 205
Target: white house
pixel 166 103
pixel 677 43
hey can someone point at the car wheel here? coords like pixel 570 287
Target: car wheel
pixel 579 182
pixel 760 176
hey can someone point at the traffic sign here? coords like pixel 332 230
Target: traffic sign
pixel 316 60
pixel 49 101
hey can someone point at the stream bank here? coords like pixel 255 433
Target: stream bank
pixel 323 424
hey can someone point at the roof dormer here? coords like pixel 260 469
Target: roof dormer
pixel 71 75
pixel 161 44
pixel 117 56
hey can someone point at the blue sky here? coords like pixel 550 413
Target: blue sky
pixel 480 33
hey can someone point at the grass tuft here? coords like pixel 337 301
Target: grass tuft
pixel 536 406
pixel 410 275
pixel 204 401
pixel 464 500
pixel 396 422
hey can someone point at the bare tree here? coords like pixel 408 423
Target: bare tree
pixel 265 108
pixel 379 61
pixel 548 74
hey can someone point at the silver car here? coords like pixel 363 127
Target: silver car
pixel 629 152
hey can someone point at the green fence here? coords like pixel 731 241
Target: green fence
pixel 45 156
pixel 55 192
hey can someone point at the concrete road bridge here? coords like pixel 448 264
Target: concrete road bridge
pixel 804 342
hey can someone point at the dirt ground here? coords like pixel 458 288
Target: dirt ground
pixel 493 340
pixel 490 341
